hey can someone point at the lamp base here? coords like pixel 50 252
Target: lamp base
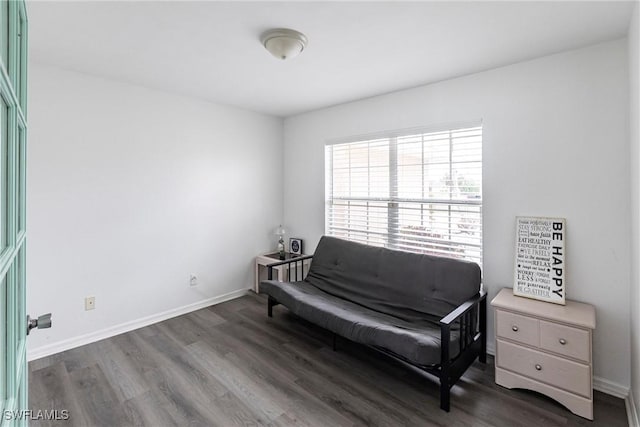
pixel 281 251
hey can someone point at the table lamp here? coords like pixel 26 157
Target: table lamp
pixel 280 232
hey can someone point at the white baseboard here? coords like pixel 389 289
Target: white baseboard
pixel 632 410
pixel 70 343
pixel 611 388
pixel 491 348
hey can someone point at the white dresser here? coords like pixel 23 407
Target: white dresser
pixel 546 348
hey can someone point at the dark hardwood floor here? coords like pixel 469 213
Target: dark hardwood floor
pixel 231 365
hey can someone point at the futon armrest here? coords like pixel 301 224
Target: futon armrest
pixel 288 262
pixel 463 308
pixel 465 314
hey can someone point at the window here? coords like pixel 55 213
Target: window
pixel 413 191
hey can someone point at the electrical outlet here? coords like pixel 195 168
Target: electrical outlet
pixel 193 280
pixel 89 303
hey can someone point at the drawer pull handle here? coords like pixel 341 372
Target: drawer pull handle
pixel 514 328
pixel 538 368
pixel 562 341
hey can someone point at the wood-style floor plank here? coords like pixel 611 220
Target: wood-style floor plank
pixel 231 365
pixel 96 396
pixel 52 389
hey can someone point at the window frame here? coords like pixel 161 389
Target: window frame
pixel 393 236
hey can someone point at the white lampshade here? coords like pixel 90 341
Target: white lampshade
pixel 280 231
pixel 284 43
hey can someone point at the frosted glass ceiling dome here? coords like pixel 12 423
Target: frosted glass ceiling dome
pixel 284 43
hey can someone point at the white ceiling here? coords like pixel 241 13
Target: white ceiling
pixel 211 50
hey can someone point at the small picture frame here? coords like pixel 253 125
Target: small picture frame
pixel 295 246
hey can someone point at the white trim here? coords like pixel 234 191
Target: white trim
pixel 632 410
pixel 78 341
pixel 491 348
pixel 609 387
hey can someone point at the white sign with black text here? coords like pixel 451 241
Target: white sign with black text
pixel 540 271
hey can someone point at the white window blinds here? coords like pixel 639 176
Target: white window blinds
pixel 419 192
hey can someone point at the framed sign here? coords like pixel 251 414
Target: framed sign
pixel 295 246
pixel 540 270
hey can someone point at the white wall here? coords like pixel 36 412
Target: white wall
pixel 555 144
pixel 634 137
pixel 129 191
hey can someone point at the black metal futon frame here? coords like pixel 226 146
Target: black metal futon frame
pixel 470 317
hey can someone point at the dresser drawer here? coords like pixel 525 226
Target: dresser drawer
pixel 562 373
pixel 517 328
pixel 561 339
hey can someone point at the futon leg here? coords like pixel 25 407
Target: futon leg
pixel 270 303
pixel 445 390
pixel 483 331
pixel 445 375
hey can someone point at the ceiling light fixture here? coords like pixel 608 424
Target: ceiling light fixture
pixel 284 43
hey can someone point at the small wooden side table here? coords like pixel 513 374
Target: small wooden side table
pixel 546 348
pixel 281 272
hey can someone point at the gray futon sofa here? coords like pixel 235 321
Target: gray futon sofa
pixel 425 310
